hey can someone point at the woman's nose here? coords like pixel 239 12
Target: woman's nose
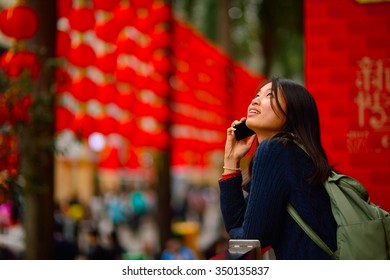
pixel 255 101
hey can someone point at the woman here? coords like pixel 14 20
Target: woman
pixel 282 172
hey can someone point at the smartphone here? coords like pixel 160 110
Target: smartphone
pixel 242 131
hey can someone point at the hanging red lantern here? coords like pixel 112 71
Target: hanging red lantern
pixel 83 55
pixel 110 158
pixel 63 80
pixel 105 5
pixel 133 161
pixel 143 21
pixel 125 75
pixel 63 118
pixel 107 62
pixel 161 62
pixel 142 3
pixel 125 100
pixel 125 44
pixel 124 15
pixel 107 93
pixel 83 125
pixel 161 12
pixel 15 63
pixel 83 89
pixel 63 43
pixel 63 8
pixel 126 128
pixel 82 19
pixel 19 22
pixel 109 30
pixel 107 125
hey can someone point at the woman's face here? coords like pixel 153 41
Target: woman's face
pixel 261 116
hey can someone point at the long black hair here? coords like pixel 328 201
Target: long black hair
pixel 302 121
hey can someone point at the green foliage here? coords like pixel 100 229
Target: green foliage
pixel 266 35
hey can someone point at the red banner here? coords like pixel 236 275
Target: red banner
pixel 347 68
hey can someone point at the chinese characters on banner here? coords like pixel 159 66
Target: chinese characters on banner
pixel 373 103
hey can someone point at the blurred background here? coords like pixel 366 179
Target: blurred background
pixel 113 114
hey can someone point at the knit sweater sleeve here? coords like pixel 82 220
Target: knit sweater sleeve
pixel 258 216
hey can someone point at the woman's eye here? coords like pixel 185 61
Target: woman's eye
pixel 270 94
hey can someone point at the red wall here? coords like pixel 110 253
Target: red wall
pixel 347 69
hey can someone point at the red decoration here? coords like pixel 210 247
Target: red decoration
pixel 82 19
pixel 125 15
pixel 83 125
pixel 83 89
pixel 9 153
pixel 63 118
pixel 107 125
pixel 105 5
pixel 63 43
pixel 63 80
pixel 126 128
pixel 107 93
pixel 107 63
pixel 110 158
pixel 15 63
pixel 14 107
pixel 83 55
pixel 108 31
pixel 19 22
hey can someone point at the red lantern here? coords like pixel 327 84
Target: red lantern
pixel 16 63
pixel 19 22
pixel 63 43
pixel 105 5
pixel 63 118
pixel 125 100
pixel 126 128
pixel 141 3
pixel 83 55
pixel 82 19
pixel 84 89
pixel 125 15
pixel 107 63
pixel 63 8
pixel 133 161
pixel 107 93
pixel 63 80
pixel 83 125
pixel 109 30
pixel 110 158
pixel 106 125
pixel 160 12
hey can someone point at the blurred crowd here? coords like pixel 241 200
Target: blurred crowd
pixel 122 224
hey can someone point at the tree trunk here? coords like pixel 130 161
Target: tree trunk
pixel 38 141
pixel 164 180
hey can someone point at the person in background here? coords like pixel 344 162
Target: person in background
pixel 176 250
pixel 281 112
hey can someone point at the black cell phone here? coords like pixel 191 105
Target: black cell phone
pixel 242 131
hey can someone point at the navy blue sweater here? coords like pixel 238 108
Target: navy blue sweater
pixel 279 175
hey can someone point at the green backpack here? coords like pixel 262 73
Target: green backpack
pixel 363 228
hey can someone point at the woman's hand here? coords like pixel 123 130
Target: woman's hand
pixel 235 150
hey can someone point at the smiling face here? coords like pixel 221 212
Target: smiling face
pixel 264 116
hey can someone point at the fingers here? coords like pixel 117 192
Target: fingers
pixel 230 130
pixel 238 121
pixel 235 123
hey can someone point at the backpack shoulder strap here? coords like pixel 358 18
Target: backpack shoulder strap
pixel 308 230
